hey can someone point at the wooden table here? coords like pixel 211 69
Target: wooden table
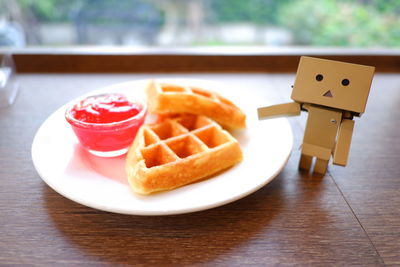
pixel 349 217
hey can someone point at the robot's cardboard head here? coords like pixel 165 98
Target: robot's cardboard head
pixel 333 84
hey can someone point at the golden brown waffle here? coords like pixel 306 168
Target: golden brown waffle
pixel 177 152
pixel 169 98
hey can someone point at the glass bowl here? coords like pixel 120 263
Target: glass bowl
pixel 106 139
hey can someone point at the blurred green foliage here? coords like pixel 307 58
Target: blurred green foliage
pixel 320 23
pixel 379 5
pixel 52 10
pixel 255 11
pixel 358 23
pixel 343 23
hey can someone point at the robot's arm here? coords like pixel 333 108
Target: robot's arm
pixel 342 148
pixel 280 110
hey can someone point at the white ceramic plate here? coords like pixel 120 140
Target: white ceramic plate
pixel 101 183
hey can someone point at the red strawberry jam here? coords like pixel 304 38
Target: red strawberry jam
pixel 106 124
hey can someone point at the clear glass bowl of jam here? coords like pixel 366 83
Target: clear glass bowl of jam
pixel 106 124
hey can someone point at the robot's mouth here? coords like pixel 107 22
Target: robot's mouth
pixel 328 94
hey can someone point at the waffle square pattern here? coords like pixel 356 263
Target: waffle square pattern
pixel 179 151
pixel 166 98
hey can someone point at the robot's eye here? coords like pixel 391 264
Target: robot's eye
pixel 319 77
pixel 345 82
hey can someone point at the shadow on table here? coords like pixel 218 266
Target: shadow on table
pixel 165 240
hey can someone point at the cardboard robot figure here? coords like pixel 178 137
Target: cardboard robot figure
pixel 332 93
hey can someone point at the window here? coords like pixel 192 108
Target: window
pixel 343 23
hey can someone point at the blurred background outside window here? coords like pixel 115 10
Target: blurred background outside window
pixel 166 23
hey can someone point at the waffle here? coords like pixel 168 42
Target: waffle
pixel 177 152
pixel 169 98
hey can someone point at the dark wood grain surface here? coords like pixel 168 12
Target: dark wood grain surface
pixel 349 217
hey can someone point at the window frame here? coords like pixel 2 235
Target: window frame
pixel 189 60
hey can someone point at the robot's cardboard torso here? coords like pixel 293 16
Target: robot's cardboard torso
pixel 322 126
pixel 321 131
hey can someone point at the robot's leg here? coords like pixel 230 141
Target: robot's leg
pixel 320 166
pixel 305 162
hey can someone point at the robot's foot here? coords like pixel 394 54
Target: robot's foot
pixel 320 165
